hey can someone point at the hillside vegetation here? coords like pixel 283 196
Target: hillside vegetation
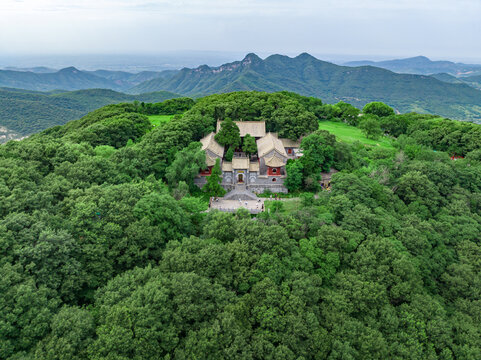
pixel 106 251
pixel 29 112
pixel 68 79
pixel 309 76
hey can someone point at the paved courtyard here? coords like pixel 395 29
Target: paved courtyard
pixel 254 206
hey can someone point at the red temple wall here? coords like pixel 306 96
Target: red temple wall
pixel 274 171
pixel 207 171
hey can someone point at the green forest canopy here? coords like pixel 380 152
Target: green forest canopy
pixel 101 258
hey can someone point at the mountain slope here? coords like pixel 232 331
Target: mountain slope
pixel 127 80
pixel 420 65
pixel 29 112
pixel 445 77
pixel 70 79
pixel 66 79
pixel 474 81
pixel 309 76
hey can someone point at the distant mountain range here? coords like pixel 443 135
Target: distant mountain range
pixel 26 112
pixel 422 65
pixel 69 79
pixel 35 69
pixel 309 76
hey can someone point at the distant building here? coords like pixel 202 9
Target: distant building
pixel 256 173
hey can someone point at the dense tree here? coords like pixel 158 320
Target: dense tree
pixel 229 134
pixel 72 332
pixel 371 127
pixel 213 187
pixel 292 121
pixel 229 154
pixel 295 175
pixel 186 303
pixel 26 311
pixel 249 145
pixel 186 165
pixel 348 113
pixel 318 153
pixel 99 258
pixel 378 108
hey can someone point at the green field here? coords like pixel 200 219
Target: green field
pixel 288 205
pixel 351 134
pixel 157 120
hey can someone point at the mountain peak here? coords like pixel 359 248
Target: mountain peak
pixel 420 58
pixel 305 56
pixel 70 69
pixel 251 58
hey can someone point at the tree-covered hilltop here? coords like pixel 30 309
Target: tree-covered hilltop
pixel 106 251
pixel 306 75
pixel 28 112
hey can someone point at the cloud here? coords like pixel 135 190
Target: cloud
pixel 411 27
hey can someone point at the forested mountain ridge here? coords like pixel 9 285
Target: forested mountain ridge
pixel 127 80
pixel 27 112
pixel 421 65
pixel 473 81
pixel 65 79
pixel 69 79
pixel 106 251
pixel 309 76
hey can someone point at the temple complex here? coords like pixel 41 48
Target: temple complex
pixel 257 172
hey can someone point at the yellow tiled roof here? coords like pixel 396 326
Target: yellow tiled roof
pixel 209 161
pixel 226 166
pixel 253 128
pixel 274 161
pixel 209 143
pixel 268 143
pixel 240 163
pixel 254 166
pixel 288 143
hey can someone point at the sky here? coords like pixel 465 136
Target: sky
pixel 354 29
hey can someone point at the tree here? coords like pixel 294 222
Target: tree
pixel 416 188
pixel 229 134
pixel 378 108
pixel 26 311
pixel 277 206
pixel 249 146
pixel 349 114
pixel 164 213
pixel 318 154
pixel 180 191
pixel 186 165
pixel 213 187
pixel 295 175
pixel 229 154
pixel 72 331
pixel 187 304
pixel 371 127
pixel 292 121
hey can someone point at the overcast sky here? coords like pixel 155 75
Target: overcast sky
pixel 440 29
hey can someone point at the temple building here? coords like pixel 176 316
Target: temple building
pixel 258 172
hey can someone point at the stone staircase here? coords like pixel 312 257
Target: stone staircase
pixel 240 192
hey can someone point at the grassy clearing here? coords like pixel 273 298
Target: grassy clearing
pixel 288 205
pixel 157 120
pixel 351 134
